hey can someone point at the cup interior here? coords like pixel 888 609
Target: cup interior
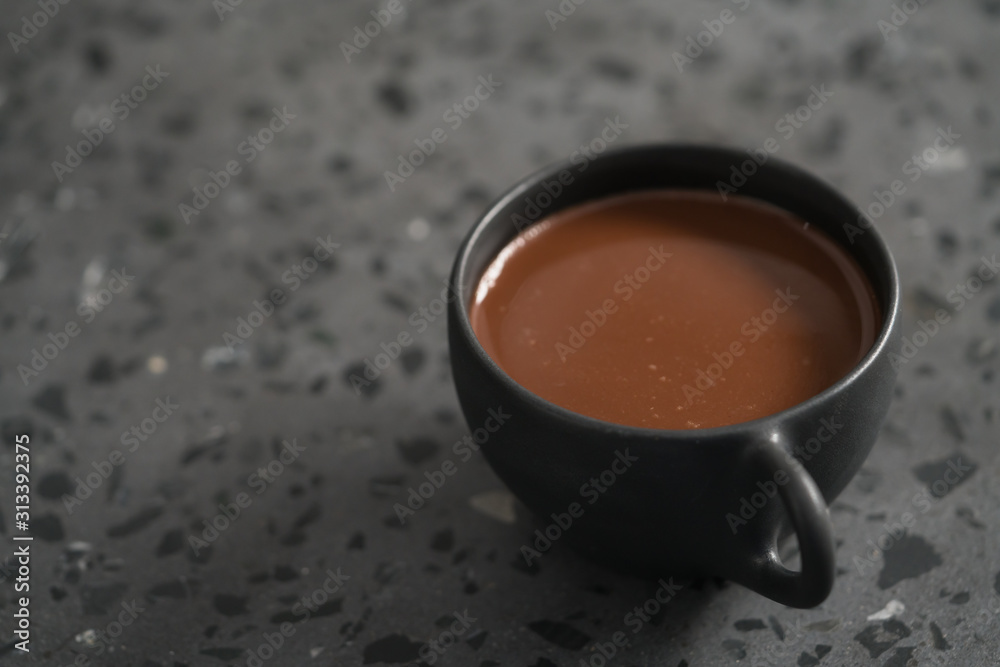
pixel 659 167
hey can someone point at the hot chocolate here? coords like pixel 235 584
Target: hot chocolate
pixel 674 310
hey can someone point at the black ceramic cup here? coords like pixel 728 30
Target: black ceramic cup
pixel 712 501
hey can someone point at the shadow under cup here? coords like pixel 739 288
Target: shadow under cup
pixel 668 510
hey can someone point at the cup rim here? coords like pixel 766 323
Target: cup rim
pixel 461 286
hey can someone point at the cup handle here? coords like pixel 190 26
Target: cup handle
pixel 811 521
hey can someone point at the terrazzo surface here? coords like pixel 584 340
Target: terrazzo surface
pixel 147 396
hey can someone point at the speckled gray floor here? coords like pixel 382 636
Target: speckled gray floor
pixel 324 516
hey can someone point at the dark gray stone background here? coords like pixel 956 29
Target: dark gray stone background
pixel 323 175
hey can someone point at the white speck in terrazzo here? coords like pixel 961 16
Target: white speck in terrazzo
pixel 79 547
pixel 497 505
pixel 894 608
pixel 157 364
pixel 956 159
pixel 222 357
pixel 982 350
pixel 418 229
pixel 87 637
pixel 91 280
pixel 87 116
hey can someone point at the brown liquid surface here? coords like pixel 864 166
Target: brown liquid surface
pixel 663 355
